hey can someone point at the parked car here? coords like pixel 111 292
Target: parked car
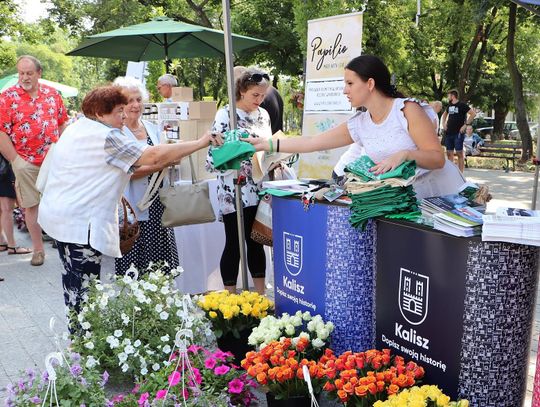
pixel 510 130
pixel 483 126
pixel 514 134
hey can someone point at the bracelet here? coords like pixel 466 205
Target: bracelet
pixel 271 142
pixel 277 146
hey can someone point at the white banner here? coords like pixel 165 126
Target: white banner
pixel 332 43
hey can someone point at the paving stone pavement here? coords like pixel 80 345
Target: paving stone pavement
pixel 30 296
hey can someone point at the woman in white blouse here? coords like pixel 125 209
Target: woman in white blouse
pixel 392 130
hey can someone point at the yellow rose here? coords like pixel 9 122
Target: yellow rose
pixel 212 314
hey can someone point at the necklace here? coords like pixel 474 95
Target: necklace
pixel 138 130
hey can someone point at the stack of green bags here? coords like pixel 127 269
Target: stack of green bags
pixel 388 200
pixel 230 155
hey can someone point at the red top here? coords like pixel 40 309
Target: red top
pixel 32 123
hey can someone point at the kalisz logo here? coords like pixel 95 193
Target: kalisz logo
pixel 413 296
pixel 292 246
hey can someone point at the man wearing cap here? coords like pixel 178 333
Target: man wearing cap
pixel 32 117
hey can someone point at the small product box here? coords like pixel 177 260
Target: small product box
pixel 202 110
pixel 180 94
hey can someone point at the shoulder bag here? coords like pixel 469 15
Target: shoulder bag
pixel 185 203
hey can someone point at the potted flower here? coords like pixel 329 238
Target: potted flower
pixel 210 379
pixel 301 324
pixel 428 396
pixel 76 385
pixel 279 368
pixel 129 326
pixel 360 379
pixel 233 316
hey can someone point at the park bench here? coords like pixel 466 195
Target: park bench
pixel 509 152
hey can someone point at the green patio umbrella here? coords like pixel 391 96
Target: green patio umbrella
pixel 161 38
pixel 65 90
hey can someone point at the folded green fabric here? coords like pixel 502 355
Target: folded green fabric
pixel 278 192
pixel 230 155
pixel 397 202
pixel 361 167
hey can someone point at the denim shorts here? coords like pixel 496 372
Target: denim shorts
pixel 454 142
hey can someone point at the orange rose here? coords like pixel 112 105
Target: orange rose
pixel 372 388
pixel 261 378
pixel 392 389
pixel 342 395
pixel 361 391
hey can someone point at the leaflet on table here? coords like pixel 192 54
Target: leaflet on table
pixel 519 213
pixel 455 206
pixel 289 185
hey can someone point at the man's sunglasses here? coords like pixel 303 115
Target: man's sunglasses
pixel 258 77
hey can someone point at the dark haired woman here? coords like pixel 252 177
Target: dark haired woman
pixel 89 170
pixel 251 87
pixel 392 130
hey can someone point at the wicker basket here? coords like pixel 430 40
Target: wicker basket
pixel 129 231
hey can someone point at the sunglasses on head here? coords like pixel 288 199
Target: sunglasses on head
pixel 258 77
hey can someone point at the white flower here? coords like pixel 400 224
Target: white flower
pixel 126 341
pixel 99 287
pixel 125 367
pixel 164 315
pixel 91 362
pixel 137 343
pixel 118 333
pixel 89 345
pixel 85 325
pixel 125 318
pixel 159 307
pixel 112 341
pixel 304 335
pixel 306 316
pixel 169 301
pixel 312 326
pixel 166 349
pixel 127 278
pixel 165 338
pixel 289 330
pixel 323 333
pixel 144 371
pixel 129 349
pixel 122 357
pixel 88 334
pixel 164 290
pixel 317 343
pixel 155 366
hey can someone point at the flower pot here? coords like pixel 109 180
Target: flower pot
pixel 237 346
pixel 294 401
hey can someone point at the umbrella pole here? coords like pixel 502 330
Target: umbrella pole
pixel 232 113
pixel 536 168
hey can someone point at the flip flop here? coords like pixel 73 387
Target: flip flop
pixel 18 250
pixel 3 247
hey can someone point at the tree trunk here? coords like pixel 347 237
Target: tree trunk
pixel 517 87
pixel 501 110
pixel 465 68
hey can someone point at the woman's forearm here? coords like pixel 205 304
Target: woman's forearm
pixel 428 159
pixel 145 170
pixel 165 154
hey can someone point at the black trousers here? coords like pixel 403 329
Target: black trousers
pixel 230 259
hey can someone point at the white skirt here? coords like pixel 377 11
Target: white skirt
pixel 444 181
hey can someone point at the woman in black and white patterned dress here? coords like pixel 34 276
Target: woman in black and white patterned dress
pixel 251 87
pixel 155 243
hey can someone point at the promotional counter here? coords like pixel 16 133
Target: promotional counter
pixel 460 307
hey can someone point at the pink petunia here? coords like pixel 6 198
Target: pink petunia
pixel 210 363
pixel 161 394
pixel 197 373
pixel 194 348
pixel 236 386
pixel 174 378
pixel 143 398
pixel 220 355
pixel 221 370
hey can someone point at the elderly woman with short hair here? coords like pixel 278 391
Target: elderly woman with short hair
pixel 155 243
pixel 89 170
